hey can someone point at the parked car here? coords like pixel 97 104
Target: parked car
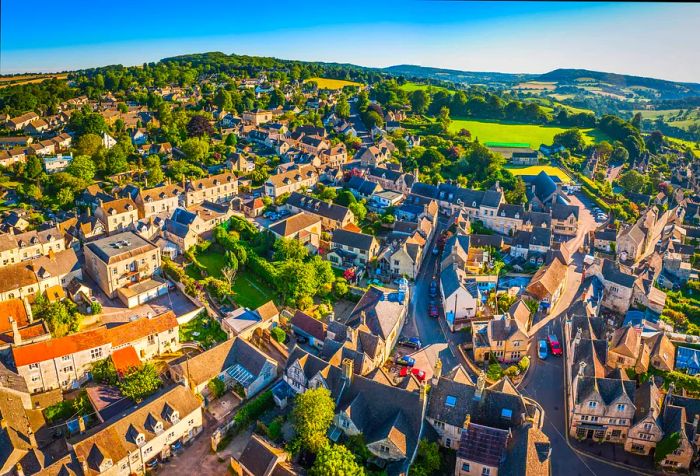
pixel 433 310
pixel 406 361
pixel 153 464
pixel 283 213
pixel 412 342
pixel 554 344
pixel 433 288
pixel 302 339
pixel 542 349
pixel 418 373
pixel 436 251
pixel 177 447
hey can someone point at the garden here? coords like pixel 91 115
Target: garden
pixel 203 330
pixel 683 308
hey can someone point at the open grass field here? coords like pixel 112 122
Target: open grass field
pixel 695 147
pixel 6 81
pixel 325 83
pixel 537 85
pixel 532 134
pixel 536 169
pixel 410 86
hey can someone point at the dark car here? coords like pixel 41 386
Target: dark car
pixel 433 288
pixel 433 311
pixel 302 339
pixel 413 342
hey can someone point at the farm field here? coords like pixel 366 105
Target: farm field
pixel 537 85
pixel 532 134
pixel 326 83
pixel 410 86
pixel 6 81
pixel 536 169
pixel 693 145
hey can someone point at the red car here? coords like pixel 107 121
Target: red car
pixel 418 373
pixel 554 344
pixel 433 310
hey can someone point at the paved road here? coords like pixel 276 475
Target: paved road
pixel 362 132
pixel 545 382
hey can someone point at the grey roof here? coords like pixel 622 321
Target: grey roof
pixel 353 239
pixel 487 410
pixel 318 207
pixel 613 274
pixel 482 241
pixel 509 210
pixel 362 186
pixel 562 212
pixel 176 228
pixel 449 281
pixel 380 411
pixel 605 235
pixel 312 365
pixel 544 186
pixel 483 445
pixel 184 217
pixel 460 241
pixel 541 237
pixel 120 244
pixel 380 310
pixel 491 198
pixel 609 389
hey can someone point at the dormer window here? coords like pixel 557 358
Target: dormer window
pixel 592 404
pixel 140 439
pixel 473 204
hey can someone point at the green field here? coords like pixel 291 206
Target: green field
pixel 410 86
pixel 536 169
pixel 534 135
pixel 249 291
pixel 326 83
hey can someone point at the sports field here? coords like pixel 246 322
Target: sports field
pixel 536 169
pixel 534 135
pixel 326 83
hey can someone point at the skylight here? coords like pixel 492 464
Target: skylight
pixel 507 413
pixel 450 401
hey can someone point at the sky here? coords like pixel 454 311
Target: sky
pixel 646 39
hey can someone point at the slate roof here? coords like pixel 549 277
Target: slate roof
pixel 294 224
pixel 487 410
pixel 318 207
pixel 352 239
pixel 612 273
pixel 562 212
pixel 309 325
pixel 379 311
pixel 362 186
pixel 609 389
pixel 544 186
pixel 689 359
pixel 528 453
pixel 483 445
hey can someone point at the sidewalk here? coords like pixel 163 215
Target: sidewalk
pixel 615 453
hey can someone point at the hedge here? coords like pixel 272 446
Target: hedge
pixel 252 410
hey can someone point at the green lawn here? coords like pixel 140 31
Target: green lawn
pixel 202 329
pixel 326 83
pixel 535 135
pixel 536 169
pixel 250 292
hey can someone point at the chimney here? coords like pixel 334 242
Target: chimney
pixel 347 366
pixel 467 421
pixel 480 384
pixel 437 371
pixel 15 331
pixel 581 367
pixel 28 309
pixel 81 424
pixel 507 323
pixel 423 392
pixel 19 471
pixel 577 338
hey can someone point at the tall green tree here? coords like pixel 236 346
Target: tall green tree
pixel 336 460
pixel 82 167
pixel 313 414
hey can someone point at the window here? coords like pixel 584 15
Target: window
pixel 66 357
pixel 147 450
pixel 592 404
pixel 465 467
pixel 383 449
pixel 96 353
pixel 486 472
pixel 621 407
pixel 507 413
pixel 450 401
pixel 68 369
pixel 33 366
pixel 647 426
pixel 448 442
pixel 440 424
pixel 616 433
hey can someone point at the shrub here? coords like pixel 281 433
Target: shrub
pixel 278 334
pixel 252 410
pixel 524 363
pixel 216 387
pixel 495 372
pixel 512 371
pixel 103 371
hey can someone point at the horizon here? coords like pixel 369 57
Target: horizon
pixel 503 37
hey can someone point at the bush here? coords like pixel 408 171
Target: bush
pixel 512 371
pixel 524 363
pixel 216 387
pixel 96 308
pixel 495 372
pixel 278 334
pixel 103 371
pixel 252 410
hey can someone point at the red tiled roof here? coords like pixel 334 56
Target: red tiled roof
pixel 119 335
pixel 125 359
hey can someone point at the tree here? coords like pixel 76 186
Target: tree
pixel 88 144
pixel 116 160
pixel 229 272
pixel 87 123
pixel 342 108
pixel 313 414
pixel 139 383
pixel 34 168
pixel 637 120
pixel 289 249
pixel 571 139
pixel 231 140
pixel 359 210
pixel 444 119
pixel 216 387
pixel 619 155
pixel 103 371
pixel 82 167
pixel 199 126
pixel 420 100
pixel 336 460
pixel 196 149
pixel 223 100
pixel 633 181
pixel 154 170
pixel 427 460
pixel 372 118
pixel 65 198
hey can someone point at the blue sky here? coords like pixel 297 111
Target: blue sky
pixel 657 40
